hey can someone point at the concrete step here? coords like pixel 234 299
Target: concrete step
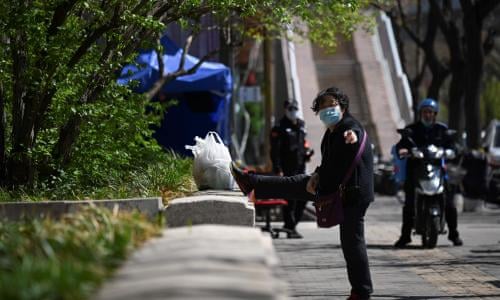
pixel 211 207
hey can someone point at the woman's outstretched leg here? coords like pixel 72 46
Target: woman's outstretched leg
pixel 286 187
pixel 269 187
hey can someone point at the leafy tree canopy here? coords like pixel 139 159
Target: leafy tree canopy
pixel 62 111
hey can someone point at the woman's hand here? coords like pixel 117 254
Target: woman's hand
pixel 350 137
pixel 403 152
pixel 312 184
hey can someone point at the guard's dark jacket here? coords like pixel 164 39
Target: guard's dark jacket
pixel 337 157
pixel 288 151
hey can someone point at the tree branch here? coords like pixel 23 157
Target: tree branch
pixel 180 72
pixel 485 7
pixel 407 29
pixel 93 37
pixel 161 10
pixel 442 20
pixel 68 134
pixel 138 7
pixel 59 16
pixel 185 50
pixel 161 65
pixel 466 5
pixel 420 75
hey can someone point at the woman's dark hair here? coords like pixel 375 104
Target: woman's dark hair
pixel 336 93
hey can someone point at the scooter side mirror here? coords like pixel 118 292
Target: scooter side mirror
pixel 451 132
pixel 449 154
pixel 405 132
pixel 417 153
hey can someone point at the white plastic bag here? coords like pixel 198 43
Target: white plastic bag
pixel 211 167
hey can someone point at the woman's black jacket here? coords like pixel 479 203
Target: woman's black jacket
pixel 337 156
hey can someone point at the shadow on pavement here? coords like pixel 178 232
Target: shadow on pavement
pixel 393 297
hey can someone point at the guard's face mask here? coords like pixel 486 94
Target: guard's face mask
pixel 292 114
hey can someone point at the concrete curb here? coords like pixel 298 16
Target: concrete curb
pixel 55 209
pixel 210 208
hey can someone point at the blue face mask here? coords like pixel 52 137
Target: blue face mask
pixel 427 123
pixel 330 115
pixel 292 115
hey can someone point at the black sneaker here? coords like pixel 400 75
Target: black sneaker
pixel 354 296
pixel 457 241
pixel 242 178
pixel 293 234
pixel 402 242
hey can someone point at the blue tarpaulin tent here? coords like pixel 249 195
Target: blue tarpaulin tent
pixel 203 96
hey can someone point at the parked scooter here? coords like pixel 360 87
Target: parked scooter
pixel 384 177
pixel 430 180
pixel 492 145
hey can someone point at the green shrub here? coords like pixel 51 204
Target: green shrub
pixel 256 117
pixel 167 175
pixel 68 258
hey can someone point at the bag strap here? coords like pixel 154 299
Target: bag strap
pixel 356 159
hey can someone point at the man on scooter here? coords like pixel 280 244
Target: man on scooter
pixel 424 132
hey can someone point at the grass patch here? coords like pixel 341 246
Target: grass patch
pixel 67 258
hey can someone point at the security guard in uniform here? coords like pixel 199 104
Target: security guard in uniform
pixel 289 154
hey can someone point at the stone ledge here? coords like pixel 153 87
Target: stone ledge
pixel 210 209
pixel 55 209
pixel 214 262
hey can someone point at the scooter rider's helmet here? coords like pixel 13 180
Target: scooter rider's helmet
pixel 428 102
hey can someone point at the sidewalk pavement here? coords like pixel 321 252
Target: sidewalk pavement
pixel 315 269
pixel 235 262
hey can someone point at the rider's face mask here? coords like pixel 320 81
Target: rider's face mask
pixel 427 116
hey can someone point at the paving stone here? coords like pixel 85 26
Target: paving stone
pixel 315 269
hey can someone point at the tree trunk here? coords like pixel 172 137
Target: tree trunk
pixel 438 70
pixel 472 107
pixel 67 137
pixel 70 132
pixel 415 98
pixel 3 162
pixel 438 78
pixel 19 165
pixel 456 115
pixel 473 73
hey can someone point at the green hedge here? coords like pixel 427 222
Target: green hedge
pixel 67 258
pixel 169 175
